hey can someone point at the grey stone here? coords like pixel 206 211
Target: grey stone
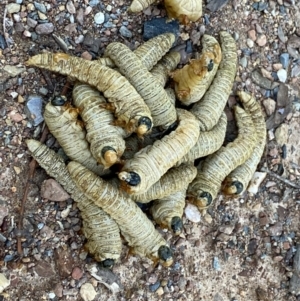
pixel 125 32
pixel 3 44
pixel 281 134
pixel 45 28
pixel 31 22
pixel 40 7
pixel 262 81
pixel 283 95
pixel 294 287
pixel 93 3
pixel 284 59
pixel 70 7
pixel 19 27
pixel 3 213
pixel 51 190
pixel 33 109
pixel 216 264
pixel 244 62
pixel 43 91
pixel 215 5
pixel 155 27
pixel 13 70
pixel 295 70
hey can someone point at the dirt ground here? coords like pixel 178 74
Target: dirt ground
pixel 242 249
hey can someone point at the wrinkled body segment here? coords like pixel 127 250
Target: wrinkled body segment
pixel 136 228
pixel 62 122
pixel 106 140
pixel 192 81
pixel 238 180
pixel 209 109
pixel 139 5
pixel 204 189
pixel 128 105
pixel 101 231
pixel 184 10
pixel 150 163
pixel 154 95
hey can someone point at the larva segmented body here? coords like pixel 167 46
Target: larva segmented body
pixel 211 106
pixel 101 231
pixel 238 179
pixel 192 81
pixel 149 52
pixel 136 228
pixel 62 122
pixel 168 211
pixel 154 95
pixel 172 96
pixel 150 163
pixel 106 140
pixel 139 5
pixel 184 10
pixel 131 111
pixel 204 189
pixel 167 64
pixel 208 142
pixel 168 184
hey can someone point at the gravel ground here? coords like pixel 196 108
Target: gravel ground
pixel 242 249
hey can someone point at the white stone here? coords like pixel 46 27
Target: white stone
pixel 192 213
pixel 250 43
pixel 282 75
pixel 256 180
pixel 99 18
pixel 87 292
pixel 4 283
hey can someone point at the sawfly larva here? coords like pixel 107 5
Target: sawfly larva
pixel 136 228
pixel 209 109
pixel 204 189
pixel 167 64
pixel 100 230
pixel 239 178
pixel 168 211
pixel 172 96
pixel 192 81
pixel 62 121
pixel 106 140
pixel 168 183
pixel 154 95
pixel 130 109
pixel 139 5
pixel 208 142
pixel 149 52
pixel 184 10
pixel 150 163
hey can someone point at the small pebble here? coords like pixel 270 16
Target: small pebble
pixel 154 287
pixel 43 91
pixel 87 292
pixel 270 105
pixel 160 291
pixel 250 43
pixel 99 18
pixel 51 190
pixel 192 213
pixel 4 282
pixel 45 28
pixel 281 134
pixel 252 34
pixel 255 182
pixel 216 264
pixel 125 32
pixel 70 7
pixel 51 295
pixel 40 7
pixel 261 40
pixel 26 33
pixel 77 273
pixel 282 75
pixel 33 109
pixel 284 59
pixel 244 62
pixel 13 8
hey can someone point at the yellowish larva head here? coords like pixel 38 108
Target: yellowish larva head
pixel 232 187
pixel 203 199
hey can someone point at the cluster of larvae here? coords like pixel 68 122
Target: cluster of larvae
pixel 130 142
pixel 182 10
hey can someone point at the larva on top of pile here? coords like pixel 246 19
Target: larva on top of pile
pixel 136 228
pixel 130 109
pixel 150 163
pixel 192 81
pixel 139 5
pixel 168 211
pixel 149 52
pixel 184 10
pixel 209 109
pixel 167 64
pixel 101 231
pixel 62 121
pixel 204 189
pixel 106 140
pixel 168 184
pixel 154 95
pixel 208 142
pixel 237 181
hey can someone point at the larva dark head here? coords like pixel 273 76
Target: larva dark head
pixel 107 263
pixel 176 225
pixel 131 178
pixel 204 199
pixel 165 255
pixel 144 125
pixel 210 65
pixel 59 100
pixel 109 155
pixel 235 187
